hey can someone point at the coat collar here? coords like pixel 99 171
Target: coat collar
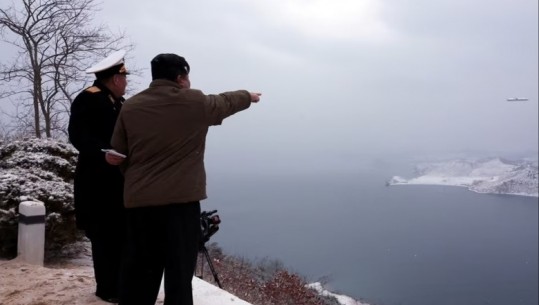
pixel 164 83
pixel 106 90
pixel 101 86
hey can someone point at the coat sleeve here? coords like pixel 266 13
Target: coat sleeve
pixel 119 140
pixel 220 106
pixel 119 136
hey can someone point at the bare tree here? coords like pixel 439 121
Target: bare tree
pixel 55 41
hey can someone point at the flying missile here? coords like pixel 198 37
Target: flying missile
pixel 517 99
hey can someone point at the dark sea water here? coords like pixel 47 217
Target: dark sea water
pixel 396 245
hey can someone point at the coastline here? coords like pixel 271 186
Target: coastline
pixel 466 182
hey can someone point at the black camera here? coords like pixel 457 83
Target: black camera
pixel 209 224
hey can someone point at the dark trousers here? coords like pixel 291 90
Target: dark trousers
pixel 161 238
pixel 107 243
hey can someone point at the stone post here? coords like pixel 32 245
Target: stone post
pixel 31 241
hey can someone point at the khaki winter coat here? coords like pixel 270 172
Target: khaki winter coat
pixel 162 130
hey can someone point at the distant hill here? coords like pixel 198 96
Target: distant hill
pixel 489 175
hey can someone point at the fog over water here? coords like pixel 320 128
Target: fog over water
pixel 341 77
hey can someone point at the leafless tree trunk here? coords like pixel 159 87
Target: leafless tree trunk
pixel 56 42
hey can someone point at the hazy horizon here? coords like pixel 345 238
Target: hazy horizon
pixel 342 78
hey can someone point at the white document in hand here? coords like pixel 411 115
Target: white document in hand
pixel 113 152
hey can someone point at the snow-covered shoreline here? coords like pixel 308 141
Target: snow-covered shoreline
pixel 488 176
pixel 342 299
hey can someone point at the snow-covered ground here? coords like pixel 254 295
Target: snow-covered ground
pixel 492 175
pixel 208 294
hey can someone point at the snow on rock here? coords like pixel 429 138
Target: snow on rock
pixel 492 175
pixel 37 170
pixel 342 299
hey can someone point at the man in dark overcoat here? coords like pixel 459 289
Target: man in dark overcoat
pixel 98 186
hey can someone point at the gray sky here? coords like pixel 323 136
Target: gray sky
pixel 342 77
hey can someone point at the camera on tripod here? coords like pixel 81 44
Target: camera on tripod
pixel 209 225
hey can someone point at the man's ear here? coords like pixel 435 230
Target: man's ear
pixel 183 81
pixel 179 80
pixel 115 79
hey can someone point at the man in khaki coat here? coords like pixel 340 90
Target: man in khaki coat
pixel 162 132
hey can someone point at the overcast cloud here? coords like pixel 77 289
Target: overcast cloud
pixel 341 77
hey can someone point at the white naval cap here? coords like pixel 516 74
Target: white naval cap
pixel 112 64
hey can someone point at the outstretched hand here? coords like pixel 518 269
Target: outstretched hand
pixel 113 159
pixel 255 97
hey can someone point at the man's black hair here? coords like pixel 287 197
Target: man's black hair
pixel 169 66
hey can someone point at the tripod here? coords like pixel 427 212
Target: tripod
pixel 209 225
pixel 204 250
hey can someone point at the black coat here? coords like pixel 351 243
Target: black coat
pixel 98 186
